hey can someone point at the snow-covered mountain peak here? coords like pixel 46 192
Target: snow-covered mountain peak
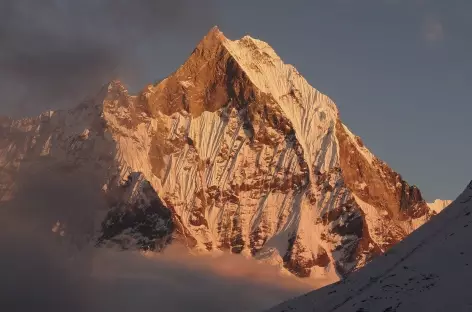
pixel 234 151
pixel 264 72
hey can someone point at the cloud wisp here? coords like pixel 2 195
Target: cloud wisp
pixel 36 276
pixel 55 53
pixel 432 29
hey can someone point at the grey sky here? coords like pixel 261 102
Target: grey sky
pixel 399 70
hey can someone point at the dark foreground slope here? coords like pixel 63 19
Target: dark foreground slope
pixel 431 270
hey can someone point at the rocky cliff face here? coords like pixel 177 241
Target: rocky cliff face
pixel 235 151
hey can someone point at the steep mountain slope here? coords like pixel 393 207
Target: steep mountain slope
pixel 428 271
pixel 439 204
pixel 235 151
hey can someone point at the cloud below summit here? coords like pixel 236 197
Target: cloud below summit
pixel 40 278
pixel 44 271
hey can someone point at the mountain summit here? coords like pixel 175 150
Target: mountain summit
pixel 235 151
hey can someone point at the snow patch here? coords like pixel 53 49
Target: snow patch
pixel 312 114
pixel 439 204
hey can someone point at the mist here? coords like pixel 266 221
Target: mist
pixel 177 281
pixel 38 275
pixel 44 268
pixel 56 53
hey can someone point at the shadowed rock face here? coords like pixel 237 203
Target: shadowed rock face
pixel 137 218
pixel 384 187
pixel 207 81
pixel 235 151
pixel 378 185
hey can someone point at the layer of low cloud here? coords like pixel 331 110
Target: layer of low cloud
pixel 39 276
pixel 36 276
pixel 44 271
pixel 177 281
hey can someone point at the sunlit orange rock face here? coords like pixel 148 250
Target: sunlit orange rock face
pixel 233 152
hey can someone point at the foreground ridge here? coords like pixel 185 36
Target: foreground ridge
pixel 428 270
